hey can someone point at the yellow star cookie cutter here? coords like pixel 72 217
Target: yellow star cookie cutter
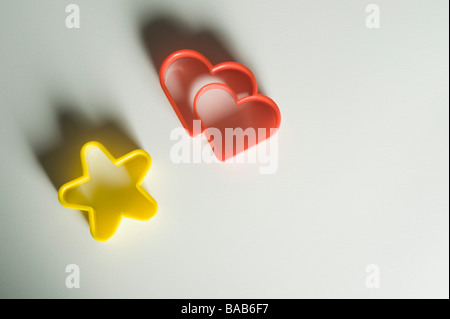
pixel 107 203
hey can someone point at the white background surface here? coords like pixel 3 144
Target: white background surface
pixel 363 158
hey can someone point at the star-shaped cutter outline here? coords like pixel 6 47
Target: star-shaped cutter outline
pixel 85 178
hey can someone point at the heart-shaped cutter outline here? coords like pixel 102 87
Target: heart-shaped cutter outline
pixel 213 69
pixel 255 97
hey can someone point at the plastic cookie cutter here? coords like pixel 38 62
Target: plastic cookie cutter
pixel 184 72
pixel 109 189
pixel 223 97
pixel 233 125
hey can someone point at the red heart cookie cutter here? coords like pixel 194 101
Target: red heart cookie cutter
pixel 188 79
pixel 184 72
pixel 233 125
